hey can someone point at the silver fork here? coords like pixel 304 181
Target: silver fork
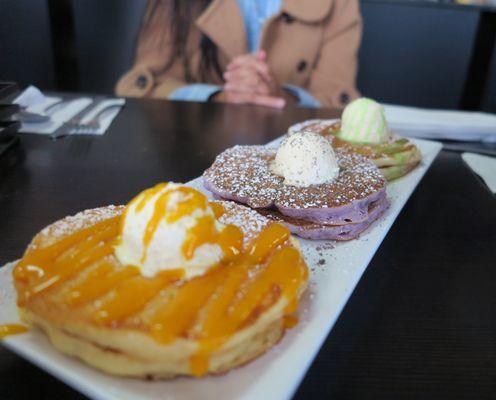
pixel 66 128
pixel 92 125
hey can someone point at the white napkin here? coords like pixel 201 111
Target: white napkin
pixel 483 166
pixel 61 114
pixel 33 100
pixel 29 97
pixel 441 124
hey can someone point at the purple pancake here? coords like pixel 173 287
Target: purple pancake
pixel 243 174
pixel 314 231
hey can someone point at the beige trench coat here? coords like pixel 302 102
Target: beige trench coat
pixel 312 44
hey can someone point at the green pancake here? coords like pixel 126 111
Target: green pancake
pixel 395 156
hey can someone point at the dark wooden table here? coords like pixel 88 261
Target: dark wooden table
pixel 421 323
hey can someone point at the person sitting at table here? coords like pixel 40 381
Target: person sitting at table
pixel 265 52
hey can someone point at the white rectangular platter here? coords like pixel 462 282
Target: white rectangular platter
pixel 336 270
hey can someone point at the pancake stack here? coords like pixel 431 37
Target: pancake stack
pixel 71 285
pixel 395 157
pixel 364 130
pixel 338 210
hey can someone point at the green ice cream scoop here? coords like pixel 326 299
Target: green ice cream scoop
pixel 364 121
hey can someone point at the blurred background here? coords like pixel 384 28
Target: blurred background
pixel 418 53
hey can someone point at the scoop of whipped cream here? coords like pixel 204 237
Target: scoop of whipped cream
pixel 364 121
pixel 167 228
pixel 305 159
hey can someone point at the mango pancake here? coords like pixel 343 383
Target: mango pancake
pixel 71 285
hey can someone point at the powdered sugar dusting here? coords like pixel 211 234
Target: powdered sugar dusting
pixel 249 221
pixel 73 223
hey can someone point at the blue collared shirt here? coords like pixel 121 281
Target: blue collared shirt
pixel 255 13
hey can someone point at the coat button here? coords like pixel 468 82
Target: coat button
pixel 344 98
pixel 141 81
pixel 302 65
pixel 287 18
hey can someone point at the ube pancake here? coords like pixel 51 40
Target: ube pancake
pixel 315 231
pixel 243 174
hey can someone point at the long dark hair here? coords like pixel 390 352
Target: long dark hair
pixel 179 15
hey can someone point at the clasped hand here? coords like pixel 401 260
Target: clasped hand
pixel 249 80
